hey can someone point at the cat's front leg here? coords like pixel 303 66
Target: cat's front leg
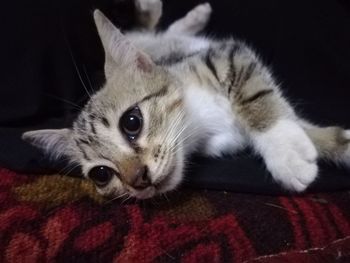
pixel 274 131
pixel 270 122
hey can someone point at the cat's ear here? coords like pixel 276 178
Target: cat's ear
pixel 118 50
pixel 55 142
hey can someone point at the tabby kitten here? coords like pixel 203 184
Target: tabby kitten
pixel 170 94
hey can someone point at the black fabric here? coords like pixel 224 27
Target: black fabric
pixel 45 43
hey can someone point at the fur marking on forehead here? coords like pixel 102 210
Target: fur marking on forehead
pixel 160 93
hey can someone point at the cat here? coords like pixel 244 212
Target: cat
pixel 173 93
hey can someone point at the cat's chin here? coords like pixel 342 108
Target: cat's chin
pixel 163 186
pixel 147 193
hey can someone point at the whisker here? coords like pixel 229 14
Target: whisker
pixel 175 139
pixel 117 197
pixel 166 197
pixel 68 165
pixel 173 127
pixel 74 62
pixel 66 173
pixel 127 198
pixel 88 78
pixel 76 106
pixel 176 143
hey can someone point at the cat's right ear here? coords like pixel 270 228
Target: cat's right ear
pixel 55 142
pixel 118 50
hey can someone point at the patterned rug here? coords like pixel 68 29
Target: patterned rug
pixel 62 219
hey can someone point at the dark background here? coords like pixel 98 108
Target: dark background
pixel 45 43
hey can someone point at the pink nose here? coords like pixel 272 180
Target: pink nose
pixel 141 178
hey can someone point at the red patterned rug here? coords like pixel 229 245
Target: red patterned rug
pixel 61 219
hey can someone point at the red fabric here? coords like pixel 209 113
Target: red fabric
pixel 62 219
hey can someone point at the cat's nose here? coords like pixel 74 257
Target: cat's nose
pixel 141 178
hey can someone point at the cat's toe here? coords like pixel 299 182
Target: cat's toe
pixel 307 174
pixel 294 172
pixel 297 186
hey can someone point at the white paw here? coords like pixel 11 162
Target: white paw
pixel 194 21
pixel 290 155
pixel 151 9
pixel 293 170
pixel 201 12
pixel 198 17
pixel 152 6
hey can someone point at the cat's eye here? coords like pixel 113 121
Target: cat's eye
pixel 131 123
pixel 101 175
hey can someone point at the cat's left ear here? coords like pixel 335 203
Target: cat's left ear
pixel 54 142
pixel 119 50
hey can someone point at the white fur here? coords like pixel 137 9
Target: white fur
pixel 210 127
pixel 347 134
pixel 215 124
pixel 289 154
pixel 53 142
pixel 194 22
pixel 159 45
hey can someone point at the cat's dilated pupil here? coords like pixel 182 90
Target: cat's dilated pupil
pixel 131 123
pixel 101 175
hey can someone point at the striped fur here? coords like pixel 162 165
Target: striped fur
pixel 195 94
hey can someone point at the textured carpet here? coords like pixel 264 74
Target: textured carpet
pixel 61 219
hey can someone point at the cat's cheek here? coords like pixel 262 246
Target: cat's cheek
pixel 175 178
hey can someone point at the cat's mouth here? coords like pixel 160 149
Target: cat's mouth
pixel 157 187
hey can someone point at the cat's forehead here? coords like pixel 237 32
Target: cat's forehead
pixel 126 88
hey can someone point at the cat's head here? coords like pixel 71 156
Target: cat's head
pixel 127 139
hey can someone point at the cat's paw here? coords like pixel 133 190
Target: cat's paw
pixel 149 12
pixel 295 167
pixel 289 154
pixel 194 21
pixel 294 170
pixel 199 16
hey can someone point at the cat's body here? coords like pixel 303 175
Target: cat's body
pixel 182 93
